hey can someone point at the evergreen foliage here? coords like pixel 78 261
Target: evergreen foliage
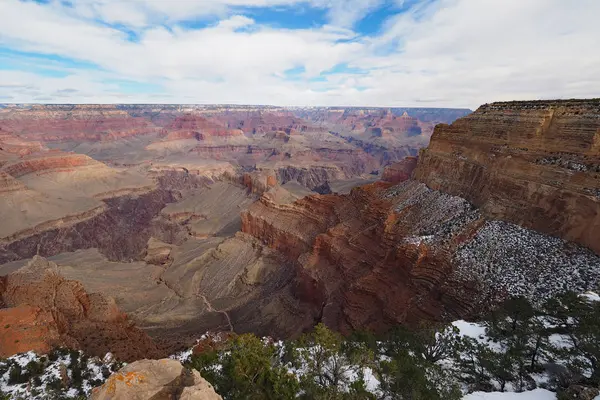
pixel 517 347
pixel 525 346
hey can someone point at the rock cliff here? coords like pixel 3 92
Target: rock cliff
pixel 73 122
pixel 61 312
pixel 536 164
pixel 400 171
pixel 360 260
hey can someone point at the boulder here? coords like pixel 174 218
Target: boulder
pixel 580 392
pixel 164 379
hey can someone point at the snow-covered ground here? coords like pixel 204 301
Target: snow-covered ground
pixel 509 260
pixel 59 367
pixel 94 371
pixel 537 394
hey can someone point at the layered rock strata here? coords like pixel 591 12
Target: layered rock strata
pixel 400 171
pixel 73 122
pixel 385 255
pixel 536 164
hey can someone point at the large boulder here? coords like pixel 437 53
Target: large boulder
pixel 164 379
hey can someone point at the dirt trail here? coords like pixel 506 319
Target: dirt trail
pixel 211 309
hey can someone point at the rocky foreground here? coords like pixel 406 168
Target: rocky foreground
pixel 155 379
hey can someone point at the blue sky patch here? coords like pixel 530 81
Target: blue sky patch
pixel 344 68
pixel 132 87
pixel 11 57
pixel 297 17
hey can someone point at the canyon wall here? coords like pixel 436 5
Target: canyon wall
pixel 536 164
pixel 360 260
pixel 470 229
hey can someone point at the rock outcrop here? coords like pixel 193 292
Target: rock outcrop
pixel 536 164
pixel 355 260
pixel 400 171
pixel 192 126
pixel 142 204
pixel 58 311
pixel 25 328
pixel 164 379
pixel 120 227
pixel 386 255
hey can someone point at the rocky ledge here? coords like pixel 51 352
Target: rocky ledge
pixel 536 164
pixel 164 379
pixel 400 254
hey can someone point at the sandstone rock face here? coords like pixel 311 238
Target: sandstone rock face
pixel 268 121
pixel 164 379
pixel 400 171
pixel 11 144
pixel 54 191
pixel 354 262
pixel 333 114
pixel 157 252
pixel 143 203
pixel 536 164
pixel 190 126
pixel 259 181
pixel 48 164
pixel 62 312
pixel 385 255
pixel 25 328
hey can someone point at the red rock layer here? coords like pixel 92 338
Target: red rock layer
pixel 25 328
pixel 400 171
pixel 377 122
pixel 79 122
pixel 61 312
pixel 259 181
pixel 355 262
pixel 292 229
pixel 15 145
pixel 536 164
pixel 224 152
pixel 254 122
pixel 190 126
pixel 50 162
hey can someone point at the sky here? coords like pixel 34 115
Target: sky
pixel 420 53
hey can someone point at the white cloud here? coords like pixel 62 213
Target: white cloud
pixel 347 12
pixel 138 13
pixel 441 53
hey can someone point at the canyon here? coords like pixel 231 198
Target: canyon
pixel 166 221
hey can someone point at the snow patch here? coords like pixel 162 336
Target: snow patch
pixel 537 394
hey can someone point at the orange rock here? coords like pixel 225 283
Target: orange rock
pixel 64 314
pixel 26 328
